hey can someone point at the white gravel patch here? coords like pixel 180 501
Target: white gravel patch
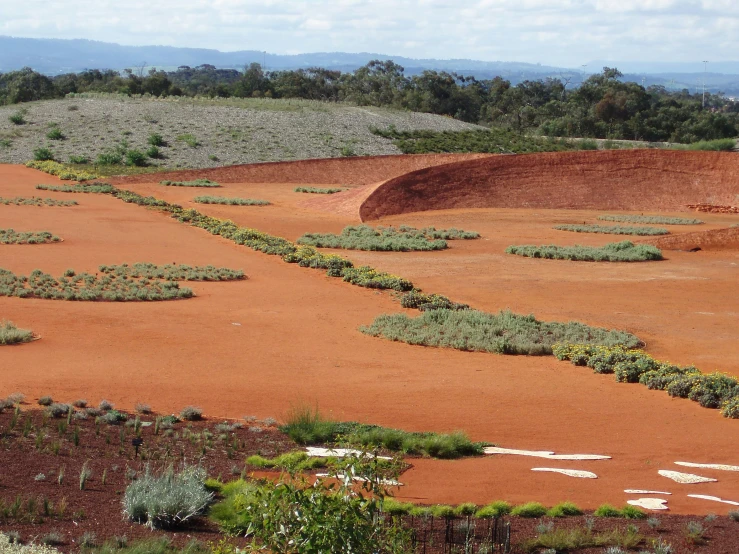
pixel 649 503
pixel 685 478
pixel 714 499
pixel 491 450
pixel 720 467
pixel 318 452
pixel 228 131
pixel 568 472
pixel 640 491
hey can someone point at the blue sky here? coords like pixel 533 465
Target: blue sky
pixel 557 32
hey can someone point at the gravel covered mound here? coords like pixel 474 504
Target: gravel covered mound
pixel 224 131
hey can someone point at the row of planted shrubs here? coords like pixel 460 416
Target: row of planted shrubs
pixel 307 426
pixel 99 188
pixel 613 230
pixel 712 390
pixel 397 239
pixel 625 251
pixel 124 283
pixel 11 236
pixel 305 256
pixel 10 334
pixel 501 333
pixel 60 170
pixel 36 201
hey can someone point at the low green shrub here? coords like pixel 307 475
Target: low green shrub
pixel 465 509
pixel 97 188
pixel 60 170
pixel 110 157
pixel 230 201
pixel 79 160
pixel 717 145
pixel 625 251
pixel 714 390
pixel 120 286
pixel 564 509
pixel 36 201
pixel 418 300
pixel 55 134
pixel 530 509
pixel 366 276
pixel 155 139
pixel 17 118
pixel 136 158
pixel 43 154
pixel 650 219
pixel 10 236
pixel 606 510
pixel 306 426
pixel 580 538
pixel 494 509
pixel 10 334
pixel 153 152
pixel 172 272
pixel 501 333
pixel 188 139
pixel 167 500
pixel 205 183
pixel 191 413
pixel 396 239
pixel 292 461
pixel 632 512
pixel 442 510
pixel 613 230
pixel 315 190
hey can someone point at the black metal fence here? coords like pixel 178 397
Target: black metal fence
pixel 458 535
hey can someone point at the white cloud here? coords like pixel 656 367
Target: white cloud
pixel 561 32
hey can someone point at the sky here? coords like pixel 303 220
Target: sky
pixel 566 33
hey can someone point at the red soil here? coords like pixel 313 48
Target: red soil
pixel 711 208
pixel 603 180
pixel 716 239
pixel 289 334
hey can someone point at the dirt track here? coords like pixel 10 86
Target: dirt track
pixel 604 180
pixel 296 339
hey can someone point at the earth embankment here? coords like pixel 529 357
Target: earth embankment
pixel 651 180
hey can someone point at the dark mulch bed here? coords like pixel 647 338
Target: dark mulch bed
pixel 30 468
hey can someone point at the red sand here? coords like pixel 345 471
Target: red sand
pixel 604 180
pixel 716 239
pixel 298 339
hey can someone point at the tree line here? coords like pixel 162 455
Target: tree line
pixel 601 106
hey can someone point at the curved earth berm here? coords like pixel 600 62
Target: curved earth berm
pixel 716 239
pixel 653 180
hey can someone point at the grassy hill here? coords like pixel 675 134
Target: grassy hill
pixel 205 132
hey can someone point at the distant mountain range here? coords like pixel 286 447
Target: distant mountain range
pixel 55 56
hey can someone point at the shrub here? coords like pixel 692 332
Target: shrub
pixel 564 509
pixel 315 190
pixel 729 409
pixel 110 157
pixel 105 406
pixel 55 134
pixel 60 170
pixel 10 334
pixel 466 509
pixel 112 417
pixel 97 188
pixel 142 408
pixel 10 236
pixel 530 509
pixel 366 276
pixel 167 500
pixel 425 302
pixel 306 426
pixel 17 118
pixel 625 251
pixel 153 153
pixel 45 401
pixel 494 509
pixel 189 139
pixel 587 144
pixel 719 145
pixel 81 160
pixel 606 510
pixel 81 403
pixel 36 201
pixel 734 515
pixel 400 239
pixel 632 512
pixel 442 510
pixel 206 183
pixel 191 413
pixel 613 229
pixel 501 333
pixel 156 140
pixel 230 201
pixel 135 158
pixel 650 219
pixel 43 154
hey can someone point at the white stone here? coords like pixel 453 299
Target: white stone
pixel 543 454
pixel 386 482
pixel 569 472
pixel 714 498
pixel 685 478
pixel 649 503
pixel 639 491
pixel 722 467
pixel 318 452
